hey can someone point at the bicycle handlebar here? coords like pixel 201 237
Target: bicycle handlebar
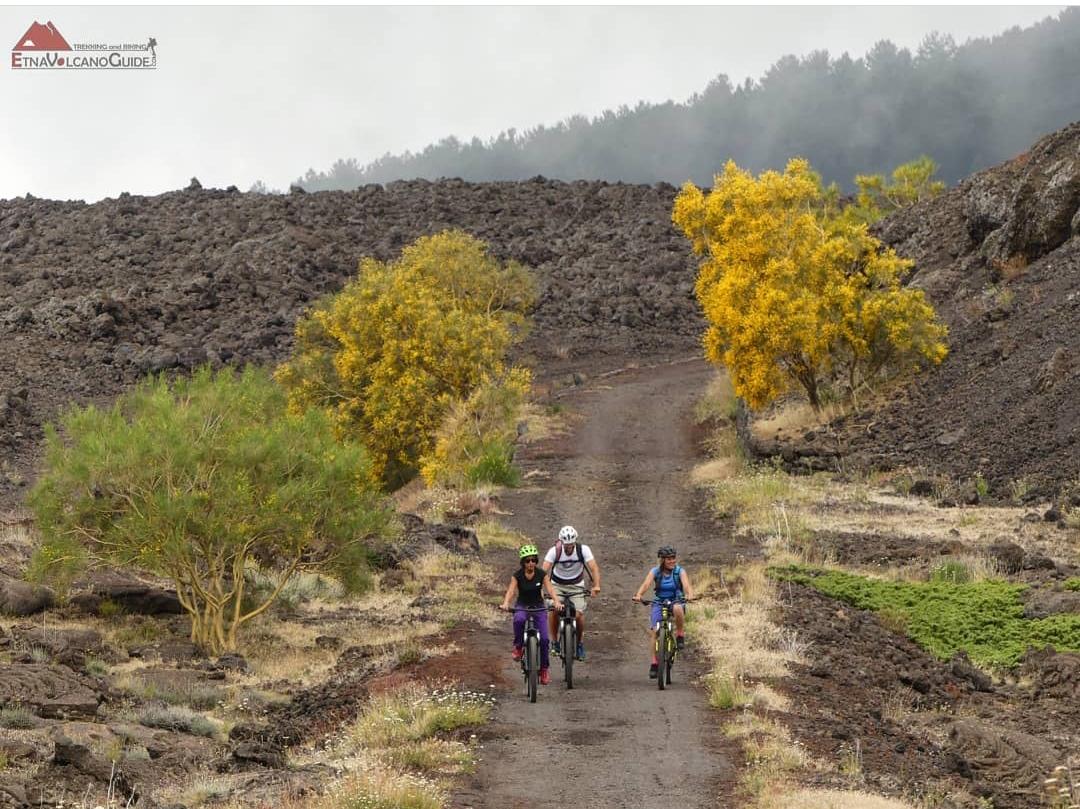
pixel 583 590
pixel 515 607
pixel 665 600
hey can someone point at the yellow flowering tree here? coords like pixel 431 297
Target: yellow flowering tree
pixel 795 293
pixel 388 354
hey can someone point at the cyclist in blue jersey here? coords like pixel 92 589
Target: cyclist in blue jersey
pixel 669 580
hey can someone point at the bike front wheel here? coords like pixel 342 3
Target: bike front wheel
pixel 569 644
pixel 661 654
pixel 533 651
pixel 669 658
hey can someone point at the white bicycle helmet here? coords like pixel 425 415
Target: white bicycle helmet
pixel 568 536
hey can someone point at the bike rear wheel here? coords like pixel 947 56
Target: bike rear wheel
pixel 661 654
pixel 533 674
pixel 569 644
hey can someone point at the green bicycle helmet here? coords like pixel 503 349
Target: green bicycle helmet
pixel 528 550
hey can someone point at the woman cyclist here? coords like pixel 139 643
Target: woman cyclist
pixel 528 585
pixel 669 581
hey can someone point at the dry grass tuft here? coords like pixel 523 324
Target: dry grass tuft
pixel 719 402
pixel 715 471
pixel 494 535
pixel 794 418
pixel 835 799
pixel 544 421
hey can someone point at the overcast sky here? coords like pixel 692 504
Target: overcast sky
pixel 248 93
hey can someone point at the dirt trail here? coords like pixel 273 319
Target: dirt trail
pixel 614 740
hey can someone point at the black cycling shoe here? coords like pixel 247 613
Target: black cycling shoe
pixel 652 671
pixel 680 642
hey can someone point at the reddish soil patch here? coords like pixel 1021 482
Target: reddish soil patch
pixel 471 668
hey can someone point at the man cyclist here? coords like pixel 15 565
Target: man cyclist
pixel 670 581
pixel 568 561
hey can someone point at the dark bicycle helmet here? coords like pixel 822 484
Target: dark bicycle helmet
pixel 665 551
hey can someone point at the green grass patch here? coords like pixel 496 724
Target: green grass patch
pixel 492 534
pixel 1073 583
pixel 175 717
pixel 16 717
pixel 727 691
pixel 984 619
pixel 413 715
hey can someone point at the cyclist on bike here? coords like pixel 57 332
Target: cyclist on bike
pixel 670 581
pixel 527 587
pixel 568 561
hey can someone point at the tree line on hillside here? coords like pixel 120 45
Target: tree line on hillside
pixel 970 106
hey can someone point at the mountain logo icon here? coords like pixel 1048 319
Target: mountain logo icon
pixel 40 37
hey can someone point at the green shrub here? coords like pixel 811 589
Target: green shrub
pixel 191 479
pixel 177 718
pixel 197 695
pixel 16 717
pixel 95 667
pixel 982 488
pixel 951 572
pixel 141 631
pixel 494 466
pixel 984 619
pixel 413 715
pixel 109 608
pixel 728 691
pixel 475 442
pixel 1073 583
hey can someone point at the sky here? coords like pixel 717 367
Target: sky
pixel 263 93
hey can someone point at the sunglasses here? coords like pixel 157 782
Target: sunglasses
pixel 534 559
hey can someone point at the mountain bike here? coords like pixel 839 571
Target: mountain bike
pixel 530 658
pixel 567 631
pixel 667 647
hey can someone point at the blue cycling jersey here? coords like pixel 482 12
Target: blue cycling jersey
pixel 668 585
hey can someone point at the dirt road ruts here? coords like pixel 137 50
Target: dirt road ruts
pixel 614 740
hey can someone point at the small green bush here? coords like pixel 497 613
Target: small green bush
pixel 951 572
pixel 728 692
pixel 411 716
pixel 177 718
pixel 140 632
pixel 475 442
pixel 109 608
pixel 1073 583
pixel 495 465
pixel 95 667
pixel 984 619
pixel 982 488
pixel 16 717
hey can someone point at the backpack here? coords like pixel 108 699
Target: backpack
pixel 558 556
pixel 677 573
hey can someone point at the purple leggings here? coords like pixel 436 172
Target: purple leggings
pixel 520 614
